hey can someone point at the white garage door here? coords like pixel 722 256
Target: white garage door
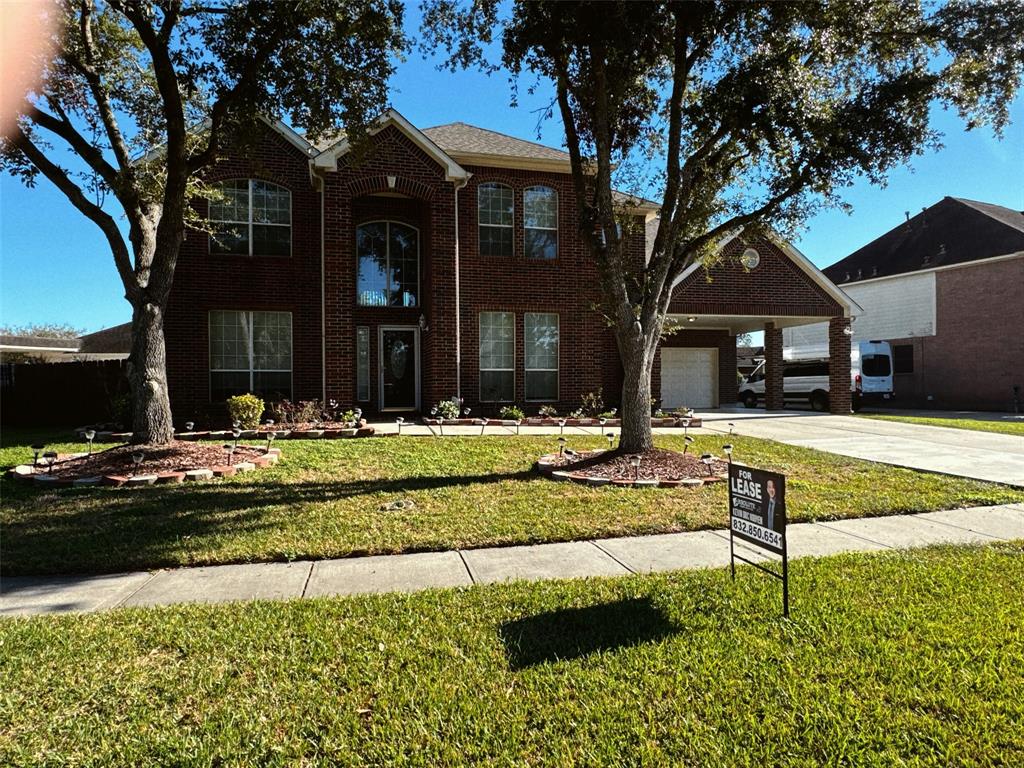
pixel 689 377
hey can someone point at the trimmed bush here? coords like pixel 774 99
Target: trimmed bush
pixel 512 412
pixel 246 410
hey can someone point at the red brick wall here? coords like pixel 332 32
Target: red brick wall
pixel 839 365
pixel 775 288
pixel 205 282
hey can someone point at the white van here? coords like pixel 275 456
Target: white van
pixel 806 379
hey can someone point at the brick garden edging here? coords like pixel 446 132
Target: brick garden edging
pixel 246 434
pixel 37 475
pixel 546 466
pixel 547 421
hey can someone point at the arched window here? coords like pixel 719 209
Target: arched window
pixel 388 265
pixel 495 213
pixel 540 222
pixel 251 217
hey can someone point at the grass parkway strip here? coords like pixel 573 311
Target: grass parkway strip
pixel 330 499
pixel 902 658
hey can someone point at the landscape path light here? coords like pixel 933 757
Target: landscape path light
pixel 90 435
pixel 229 449
pixel 686 426
pixel 236 433
pixel 50 457
pixel 728 451
pixel 706 458
pixel 561 426
pixel 137 458
pixel 270 439
pixel 611 440
pixel 37 449
pixel 483 425
pixel 561 446
pixel 190 426
pixel 399 421
pixel 635 461
pixel 518 422
pixel 688 441
pixel 732 426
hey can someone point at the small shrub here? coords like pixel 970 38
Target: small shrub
pixel 548 411
pixel 592 403
pixel 446 409
pixel 577 414
pixel 246 410
pixel 512 412
pixel 608 414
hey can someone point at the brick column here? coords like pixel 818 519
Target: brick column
pixel 773 398
pixel 839 366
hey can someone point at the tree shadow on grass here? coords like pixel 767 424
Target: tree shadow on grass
pixel 100 530
pixel 572 633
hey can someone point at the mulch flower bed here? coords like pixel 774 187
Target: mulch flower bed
pixel 657 467
pixel 173 463
pixel 297 431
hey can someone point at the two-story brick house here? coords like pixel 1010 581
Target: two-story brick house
pixel 440 262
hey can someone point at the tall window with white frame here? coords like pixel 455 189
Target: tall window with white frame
pixel 250 352
pixel 540 355
pixel 495 211
pixel 497 357
pixel 251 217
pixel 388 269
pixel 540 222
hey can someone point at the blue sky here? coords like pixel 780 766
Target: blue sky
pixel 56 268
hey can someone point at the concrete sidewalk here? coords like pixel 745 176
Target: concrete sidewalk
pixel 407 573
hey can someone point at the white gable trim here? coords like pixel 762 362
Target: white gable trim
pixel 328 159
pixel 850 307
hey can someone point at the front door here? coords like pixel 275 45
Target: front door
pixel 399 369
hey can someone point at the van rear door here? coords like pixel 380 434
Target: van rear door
pixel 875 368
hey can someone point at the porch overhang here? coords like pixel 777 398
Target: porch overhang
pixel 736 324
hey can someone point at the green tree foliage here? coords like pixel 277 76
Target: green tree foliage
pixel 147 95
pixel 752 115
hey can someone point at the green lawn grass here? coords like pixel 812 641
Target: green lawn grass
pixel 908 659
pixel 325 499
pixel 978 425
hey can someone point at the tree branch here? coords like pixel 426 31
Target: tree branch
pixel 90 210
pixel 88 152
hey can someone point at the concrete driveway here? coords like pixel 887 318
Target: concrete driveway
pixel 967 453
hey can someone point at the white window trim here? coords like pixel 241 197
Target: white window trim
pixel 480 225
pixel 556 369
pixel 363 329
pixel 250 222
pixel 479 334
pixel 540 229
pixel 251 350
pixel 387 272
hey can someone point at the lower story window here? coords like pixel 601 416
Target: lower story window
pixel 540 352
pixel 497 357
pixel 250 352
pixel 362 363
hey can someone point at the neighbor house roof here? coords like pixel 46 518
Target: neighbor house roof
pixel 115 340
pixel 953 231
pixel 37 343
pixel 472 145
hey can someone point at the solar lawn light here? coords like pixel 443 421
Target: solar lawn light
pixel 465 412
pixel 37 449
pixel 483 425
pixel 561 426
pixel 229 449
pixel 236 424
pixel 635 461
pixel 90 435
pixel 707 458
pixel 399 421
pixel 686 426
pixel 236 433
pixel 518 422
pixel 688 442
pixel 611 440
pixel 561 446
pixel 190 426
pixel 50 457
pixel 728 451
pixel 732 426
pixel 270 439
pixel 137 458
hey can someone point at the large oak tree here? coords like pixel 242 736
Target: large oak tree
pixel 148 95
pixel 751 115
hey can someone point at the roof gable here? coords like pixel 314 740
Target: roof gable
pixel 328 158
pixel 479 146
pixel 953 231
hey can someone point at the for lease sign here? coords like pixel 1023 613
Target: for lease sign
pixel 757 507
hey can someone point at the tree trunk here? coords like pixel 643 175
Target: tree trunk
pixel 637 362
pixel 147 376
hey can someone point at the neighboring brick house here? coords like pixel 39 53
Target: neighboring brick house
pixel 946 289
pixel 437 263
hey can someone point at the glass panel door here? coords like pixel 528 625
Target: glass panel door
pixel 399 374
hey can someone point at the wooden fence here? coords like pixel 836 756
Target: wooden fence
pixel 61 394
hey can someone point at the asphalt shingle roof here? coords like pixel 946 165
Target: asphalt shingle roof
pixel 953 231
pixel 462 138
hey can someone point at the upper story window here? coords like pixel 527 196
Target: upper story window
pixel 253 218
pixel 540 222
pixel 495 211
pixel 388 274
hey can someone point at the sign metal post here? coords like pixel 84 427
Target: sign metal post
pixel 757 515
